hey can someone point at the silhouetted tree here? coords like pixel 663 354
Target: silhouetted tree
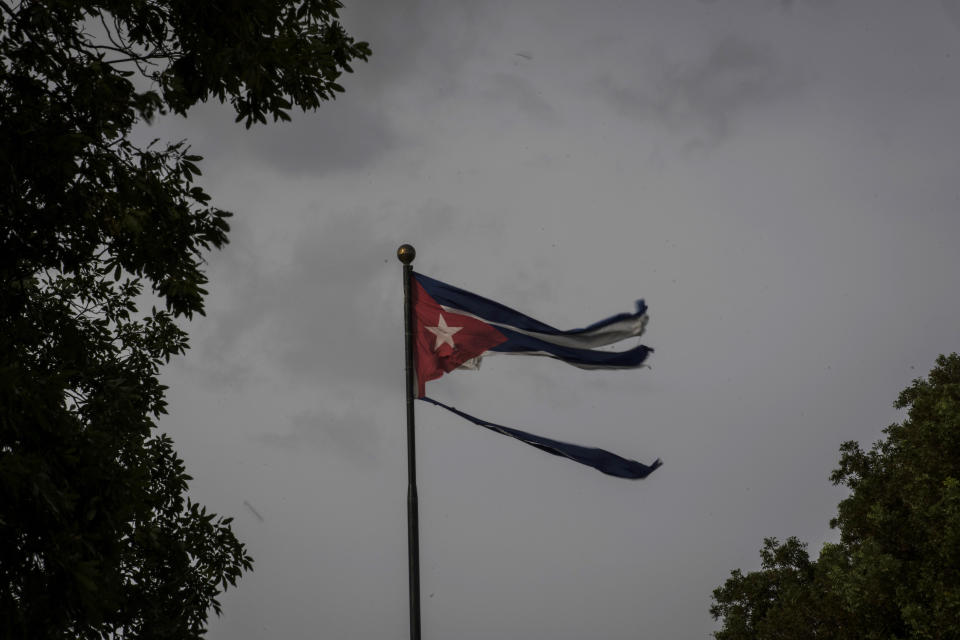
pixel 895 573
pixel 97 537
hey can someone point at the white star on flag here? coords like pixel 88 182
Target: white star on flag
pixel 443 332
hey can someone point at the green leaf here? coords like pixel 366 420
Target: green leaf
pixel 96 517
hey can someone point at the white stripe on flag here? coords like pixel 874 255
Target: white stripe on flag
pixel 473 364
pixel 613 332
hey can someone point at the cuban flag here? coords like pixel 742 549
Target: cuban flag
pixel 455 328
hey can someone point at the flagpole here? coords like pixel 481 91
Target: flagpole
pixel 406 253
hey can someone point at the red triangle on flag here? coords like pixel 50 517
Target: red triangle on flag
pixel 445 339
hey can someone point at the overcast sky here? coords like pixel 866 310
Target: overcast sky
pixel 778 179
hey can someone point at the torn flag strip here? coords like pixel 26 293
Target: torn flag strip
pixel 455 327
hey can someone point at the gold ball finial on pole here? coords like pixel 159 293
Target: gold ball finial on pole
pixel 406 253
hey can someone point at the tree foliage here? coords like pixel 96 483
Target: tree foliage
pixel 895 573
pixel 97 536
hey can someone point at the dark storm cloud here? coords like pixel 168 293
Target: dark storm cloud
pixel 703 97
pixel 517 90
pixel 354 130
pixel 352 434
pixel 788 4
pixel 952 9
pixel 420 44
pixel 317 309
pixel 341 135
pixel 323 313
pixel 346 134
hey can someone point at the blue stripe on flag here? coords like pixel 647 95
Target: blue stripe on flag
pixel 583 358
pixel 486 309
pixel 608 463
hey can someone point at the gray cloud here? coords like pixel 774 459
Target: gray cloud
pixel 311 312
pixel 341 135
pixel 420 39
pixel 705 97
pixel 322 313
pixel 515 89
pixel 352 131
pixel 952 9
pixel 346 134
pixel 352 434
pixel 788 4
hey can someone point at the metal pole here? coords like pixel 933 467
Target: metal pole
pixel 406 253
